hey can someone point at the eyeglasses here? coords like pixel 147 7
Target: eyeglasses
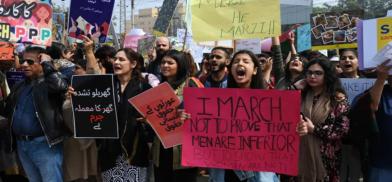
pixel 215 56
pixel 29 61
pixel 309 73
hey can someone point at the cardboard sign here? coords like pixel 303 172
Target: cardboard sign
pixel 14 77
pixel 242 129
pixel 164 17
pixel 253 45
pixel 94 107
pixel 58 26
pixel 6 51
pixel 304 41
pixel 354 87
pixel 26 21
pixel 90 17
pixel 237 19
pixel 334 30
pixel 159 106
pixel 375 42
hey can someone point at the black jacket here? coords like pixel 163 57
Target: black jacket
pixel 48 96
pixel 134 135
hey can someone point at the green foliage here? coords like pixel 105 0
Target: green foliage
pixel 371 8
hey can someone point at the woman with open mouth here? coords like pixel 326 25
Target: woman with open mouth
pixel 126 158
pixel 245 72
pixel 349 63
pixel 351 164
pixel 293 77
pixel 293 73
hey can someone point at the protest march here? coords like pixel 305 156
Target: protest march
pixel 195 91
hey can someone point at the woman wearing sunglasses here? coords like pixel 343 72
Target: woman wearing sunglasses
pixel 323 124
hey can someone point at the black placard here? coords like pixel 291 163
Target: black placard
pixel 94 107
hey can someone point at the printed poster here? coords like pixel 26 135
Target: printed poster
pixel 375 42
pixel 334 30
pixel 6 51
pixel 146 44
pixel 90 17
pixel 26 21
pixel 58 27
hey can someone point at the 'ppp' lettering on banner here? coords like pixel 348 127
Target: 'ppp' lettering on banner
pixel 24 21
pixel 242 129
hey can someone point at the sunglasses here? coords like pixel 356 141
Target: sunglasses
pixel 29 61
pixel 215 56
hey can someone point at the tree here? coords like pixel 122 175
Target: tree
pixel 371 8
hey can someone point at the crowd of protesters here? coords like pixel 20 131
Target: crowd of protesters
pixel 338 141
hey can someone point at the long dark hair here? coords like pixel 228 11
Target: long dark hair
pixel 104 53
pixel 287 73
pixel 257 80
pixel 133 56
pixel 183 67
pixel 331 81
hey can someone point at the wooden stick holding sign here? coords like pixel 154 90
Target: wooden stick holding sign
pixel 159 106
pixel 94 107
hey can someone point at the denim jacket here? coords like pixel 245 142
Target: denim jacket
pixel 218 175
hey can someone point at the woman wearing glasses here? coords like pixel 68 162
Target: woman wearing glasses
pixel 323 124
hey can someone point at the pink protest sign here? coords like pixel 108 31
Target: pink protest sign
pixel 159 106
pixel 243 129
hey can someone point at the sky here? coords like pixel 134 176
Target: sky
pixel 140 4
pixel 156 3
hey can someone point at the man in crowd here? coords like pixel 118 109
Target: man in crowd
pixel 218 61
pixel 34 112
pixel 162 45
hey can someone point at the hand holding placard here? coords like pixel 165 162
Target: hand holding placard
pixel 159 106
pixel 94 106
pixel 242 129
